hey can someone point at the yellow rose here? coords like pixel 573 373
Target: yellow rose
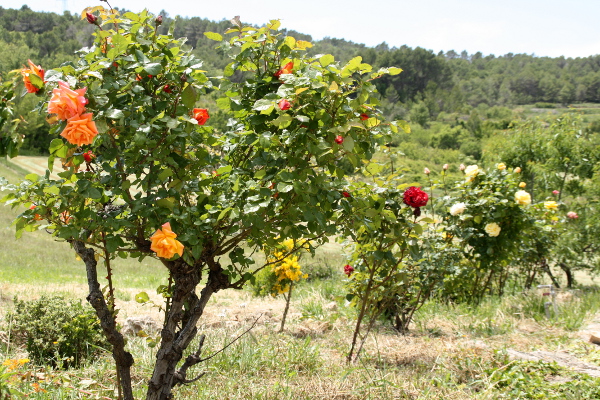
pixel 501 166
pixel 518 170
pixel 522 184
pixel 471 172
pixel 551 205
pixel 492 229
pixel 523 198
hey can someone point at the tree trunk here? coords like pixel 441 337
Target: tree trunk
pixel 546 269
pixel 173 343
pixel 569 274
pixel 123 359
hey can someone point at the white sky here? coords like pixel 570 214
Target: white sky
pixel 541 27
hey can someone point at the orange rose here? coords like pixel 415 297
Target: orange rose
pixel 66 102
pixel 80 130
pixel 164 243
pixel 201 115
pixel 287 69
pixel 65 217
pixel 28 72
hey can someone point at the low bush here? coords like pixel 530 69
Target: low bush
pixel 56 331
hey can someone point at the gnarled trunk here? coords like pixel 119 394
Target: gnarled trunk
pixel 174 342
pixel 123 359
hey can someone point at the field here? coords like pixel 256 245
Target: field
pixel 451 351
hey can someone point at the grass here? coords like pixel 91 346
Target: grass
pixel 452 351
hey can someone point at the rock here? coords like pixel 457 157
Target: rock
pixel 145 323
pixel 595 337
pixel 561 358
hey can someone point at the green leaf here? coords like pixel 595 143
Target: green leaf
pixel 36 81
pixel 94 193
pixel 52 190
pixel 114 114
pixel 283 121
pixel 284 187
pixel 223 213
pixel 213 36
pixel 188 97
pixel 403 125
pixel 58 148
pixel 165 203
pixel 374 168
pixel 263 104
pixel 153 68
pixel 32 177
pixel 348 144
pixel 224 170
pixel 142 297
pixel 326 59
pixel 394 70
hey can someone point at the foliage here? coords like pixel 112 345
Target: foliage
pixel 56 331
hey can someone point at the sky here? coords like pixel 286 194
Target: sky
pixel 540 27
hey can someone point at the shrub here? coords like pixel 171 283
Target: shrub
pixel 56 331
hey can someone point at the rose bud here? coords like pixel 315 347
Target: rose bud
pixel 462 167
pixel 445 167
pixel 88 156
pixel 517 170
pixel 284 105
pixel 159 20
pixel 348 270
pixel 287 69
pixel 426 171
pixel 570 214
pixel 167 89
pixel 364 116
pixel 345 194
pixel 91 18
pixel 556 192
pixel 339 139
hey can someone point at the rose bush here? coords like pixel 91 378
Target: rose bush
pixel 159 170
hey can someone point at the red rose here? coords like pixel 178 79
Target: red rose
pixel 348 270
pixel 284 104
pixel 201 115
pixel 345 194
pixel 364 116
pixel 339 139
pixel 167 89
pixel 415 197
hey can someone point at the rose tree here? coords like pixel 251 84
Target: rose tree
pixel 160 182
